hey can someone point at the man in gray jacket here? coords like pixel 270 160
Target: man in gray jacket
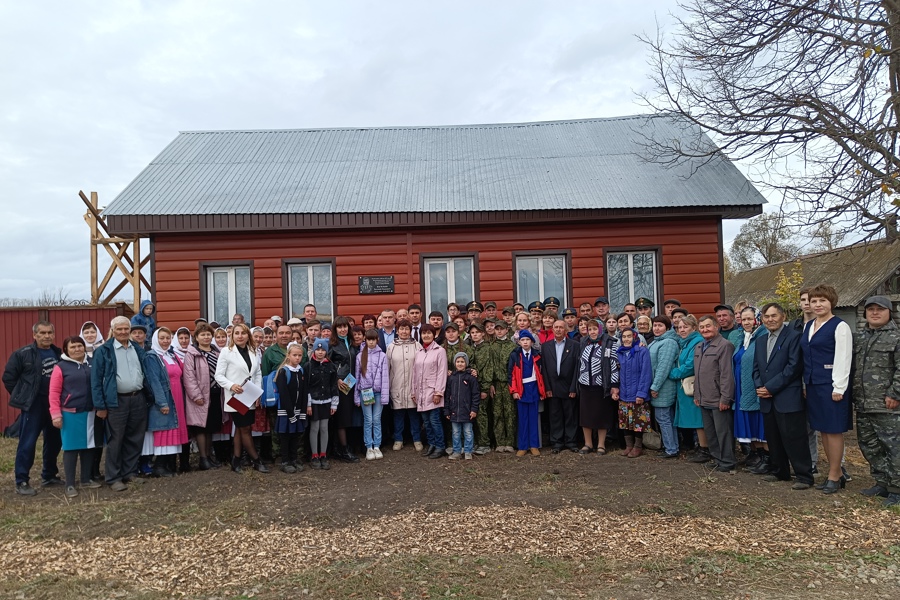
pixel 714 392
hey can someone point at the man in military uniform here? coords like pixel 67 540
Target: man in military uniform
pixel 644 306
pixel 876 394
pixel 570 317
pixel 504 406
pixel 483 362
pixel 536 308
pixel 473 311
pixel 490 310
pixel 551 302
pixel 509 315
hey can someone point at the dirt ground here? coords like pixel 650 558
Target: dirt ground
pixel 563 526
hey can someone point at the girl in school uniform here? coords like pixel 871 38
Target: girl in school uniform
pixel 322 382
pixel 290 419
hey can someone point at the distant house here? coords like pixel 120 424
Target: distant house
pixel 356 219
pixel 857 272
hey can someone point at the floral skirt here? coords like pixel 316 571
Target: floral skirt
pixel 633 416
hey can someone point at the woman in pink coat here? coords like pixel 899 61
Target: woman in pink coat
pixel 429 379
pixel 203 396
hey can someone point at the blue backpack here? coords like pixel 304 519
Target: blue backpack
pixel 270 390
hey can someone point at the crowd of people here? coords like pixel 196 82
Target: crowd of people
pixel 739 387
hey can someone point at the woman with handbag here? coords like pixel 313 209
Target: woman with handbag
pixel 687 414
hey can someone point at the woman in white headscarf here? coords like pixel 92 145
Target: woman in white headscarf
pixel 181 343
pixel 92 337
pixel 170 434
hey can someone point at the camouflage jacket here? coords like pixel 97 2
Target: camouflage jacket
pixel 877 373
pixel 460 346
pixel 502 349
pixel 483 362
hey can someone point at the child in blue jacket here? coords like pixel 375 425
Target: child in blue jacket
pixel 461 401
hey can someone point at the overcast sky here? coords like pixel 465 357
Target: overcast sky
pixel 95 90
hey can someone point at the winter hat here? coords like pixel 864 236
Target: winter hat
pixel 524 333
pixel 320 343
pixel 463 356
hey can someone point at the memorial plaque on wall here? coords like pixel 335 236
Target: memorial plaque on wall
pixel 376 284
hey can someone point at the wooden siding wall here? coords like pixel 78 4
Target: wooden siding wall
pixel 689 250
pixel 16 325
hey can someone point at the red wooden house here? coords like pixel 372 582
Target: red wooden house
pixel 357 219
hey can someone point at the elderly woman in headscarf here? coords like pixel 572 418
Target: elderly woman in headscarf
pixel 167 421
pixel 748 419
pixel 92 337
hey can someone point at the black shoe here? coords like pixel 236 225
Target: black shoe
pixel 763 467
pixel 160 470
pixel 833 487
pixel 701 456
pixel 753 459
pixel 892 500
pixel 236 464
pixel 259 466
pixel 437 453
pixel 722 469
pixel 666 455
pixel 349 456
pixel 323 463
pixel 215 464
pixel 23 489
pixel 427 449
pixel 845 474
pixel 556 450
pixel 287 467
pixel 205 464
pixel 875 490
pixel 298 465
pixel 51 481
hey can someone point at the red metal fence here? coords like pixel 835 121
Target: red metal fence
pixel 15 332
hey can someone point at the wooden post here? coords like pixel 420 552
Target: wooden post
pixel 136 281
pixel 92 221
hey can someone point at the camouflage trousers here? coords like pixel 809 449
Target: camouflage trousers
pixel 879 440
pixel 504 416
pixel 483 422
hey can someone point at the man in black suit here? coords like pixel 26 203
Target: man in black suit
pixel 560 369
pixel 777 375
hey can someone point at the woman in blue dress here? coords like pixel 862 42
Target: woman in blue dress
pixel 687 414
pixel 827 345
pixel 748 420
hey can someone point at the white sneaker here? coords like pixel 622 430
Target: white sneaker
pixel 370 454
pixel 418 446
pixel 398 445
pixel 468 456
pixel 377 452
pixel 455 456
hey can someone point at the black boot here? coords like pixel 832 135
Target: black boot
pixel 763 467
pixel 349 456
pixel 160 468
pixel 236 464
pixel 205 465
pixel 259 466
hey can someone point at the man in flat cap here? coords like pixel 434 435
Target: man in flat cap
pixel 601 308
pixel 876 395
pixel 670 305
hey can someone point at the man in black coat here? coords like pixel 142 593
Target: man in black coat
pixel 777 375
pixel 560 370
pixel 27 379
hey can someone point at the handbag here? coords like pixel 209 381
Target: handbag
pixel 687 384
pixel 652 439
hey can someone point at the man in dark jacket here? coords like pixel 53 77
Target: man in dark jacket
pixel 123 381
pixel 560 366
pixel 777 376
pixel 27 379
pixel 714 392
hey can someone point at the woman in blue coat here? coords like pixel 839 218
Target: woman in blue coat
pixel 663 356
pixel 748 419
pixel 635 377
pixel 687 414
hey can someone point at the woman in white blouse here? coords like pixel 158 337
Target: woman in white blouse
pixel 239 363
pixel 827 344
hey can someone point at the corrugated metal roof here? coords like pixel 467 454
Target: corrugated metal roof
pixel 589 163
pixel 854 271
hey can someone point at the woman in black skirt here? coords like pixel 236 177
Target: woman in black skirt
pixel 598 384
pixel 342 353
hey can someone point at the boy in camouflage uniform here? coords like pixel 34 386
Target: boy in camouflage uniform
pixel 483 363
pixel 876 393
pixel 504 407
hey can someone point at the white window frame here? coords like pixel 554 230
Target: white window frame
pixel 311 291
pixel 630 254
pixel 451 278
pixel 232 290
pixel 542 292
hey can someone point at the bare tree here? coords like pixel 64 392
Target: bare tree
pixel 763 240
pixel 807 90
